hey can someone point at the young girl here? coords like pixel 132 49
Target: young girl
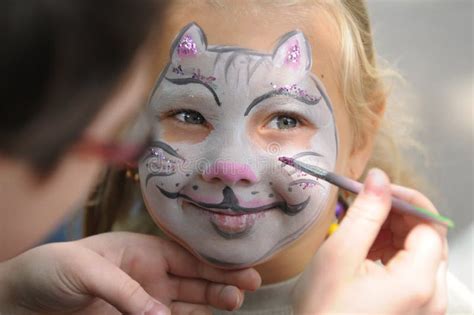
pixel 245 83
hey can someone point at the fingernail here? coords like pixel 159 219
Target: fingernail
pixel 240 300
pixel 254 276
pixel 376 183
pixel 157 309
pixel 229 293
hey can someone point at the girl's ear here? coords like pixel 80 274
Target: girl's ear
pixel 189 43
pixel 359 158
pixel 363 149
pixel 293 53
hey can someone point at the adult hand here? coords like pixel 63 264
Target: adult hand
pixel 116 273
pixel 343 277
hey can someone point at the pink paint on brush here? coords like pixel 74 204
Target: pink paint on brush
pixel 356 187
pixel 286 160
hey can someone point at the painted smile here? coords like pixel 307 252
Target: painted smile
pixel 230 204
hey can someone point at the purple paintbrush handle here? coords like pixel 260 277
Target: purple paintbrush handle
pixel 344 182
pixel 397 204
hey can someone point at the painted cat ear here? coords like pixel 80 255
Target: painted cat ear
pixel 293 52
pixel 189 43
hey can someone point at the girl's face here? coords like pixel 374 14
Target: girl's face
pixel 212 180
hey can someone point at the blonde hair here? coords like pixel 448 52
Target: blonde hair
pixel 362 83
pixel 366 91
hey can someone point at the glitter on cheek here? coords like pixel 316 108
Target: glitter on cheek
pixel 305 185
pixel 187 47
pixel 159 163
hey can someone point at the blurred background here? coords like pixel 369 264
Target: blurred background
pixel 431 44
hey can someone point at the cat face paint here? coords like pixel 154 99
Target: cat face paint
pixel 212 179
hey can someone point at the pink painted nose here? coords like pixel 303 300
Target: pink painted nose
pixel 229 173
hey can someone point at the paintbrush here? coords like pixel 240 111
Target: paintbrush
pixel 356 187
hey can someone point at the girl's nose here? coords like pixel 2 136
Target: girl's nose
pixel 230 173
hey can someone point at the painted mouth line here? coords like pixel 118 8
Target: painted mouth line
pixel 231 212
pixel 230 202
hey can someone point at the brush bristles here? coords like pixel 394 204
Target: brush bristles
pixel 287 160
pixel 352 186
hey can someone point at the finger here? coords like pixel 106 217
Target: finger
pixel 439 301
pixel 383 240
pixel 398 224
pixel 182 263
pixel 399 241
pixel 96 276
pixel 372 268
pixel 181 308
pixel 177 259
pixel 413 197
pixel 416 198
pixel 226 297
pixel 415 268
pixel 388 255
pixel 362 222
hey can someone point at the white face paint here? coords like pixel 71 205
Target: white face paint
pixel 212 179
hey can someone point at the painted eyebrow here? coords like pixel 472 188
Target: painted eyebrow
pixel 270 94
pixel 196 81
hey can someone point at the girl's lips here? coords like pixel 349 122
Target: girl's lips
pixel 229 224
pixel 233 224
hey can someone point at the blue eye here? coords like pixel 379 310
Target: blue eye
pixel 283 122
pixel 190 117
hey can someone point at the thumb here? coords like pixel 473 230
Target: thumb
pixel 100 278
pixel 362 222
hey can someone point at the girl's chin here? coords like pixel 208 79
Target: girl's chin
pixel 229 237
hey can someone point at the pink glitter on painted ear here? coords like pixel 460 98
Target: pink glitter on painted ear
pixel 294 54
pixel 187 47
